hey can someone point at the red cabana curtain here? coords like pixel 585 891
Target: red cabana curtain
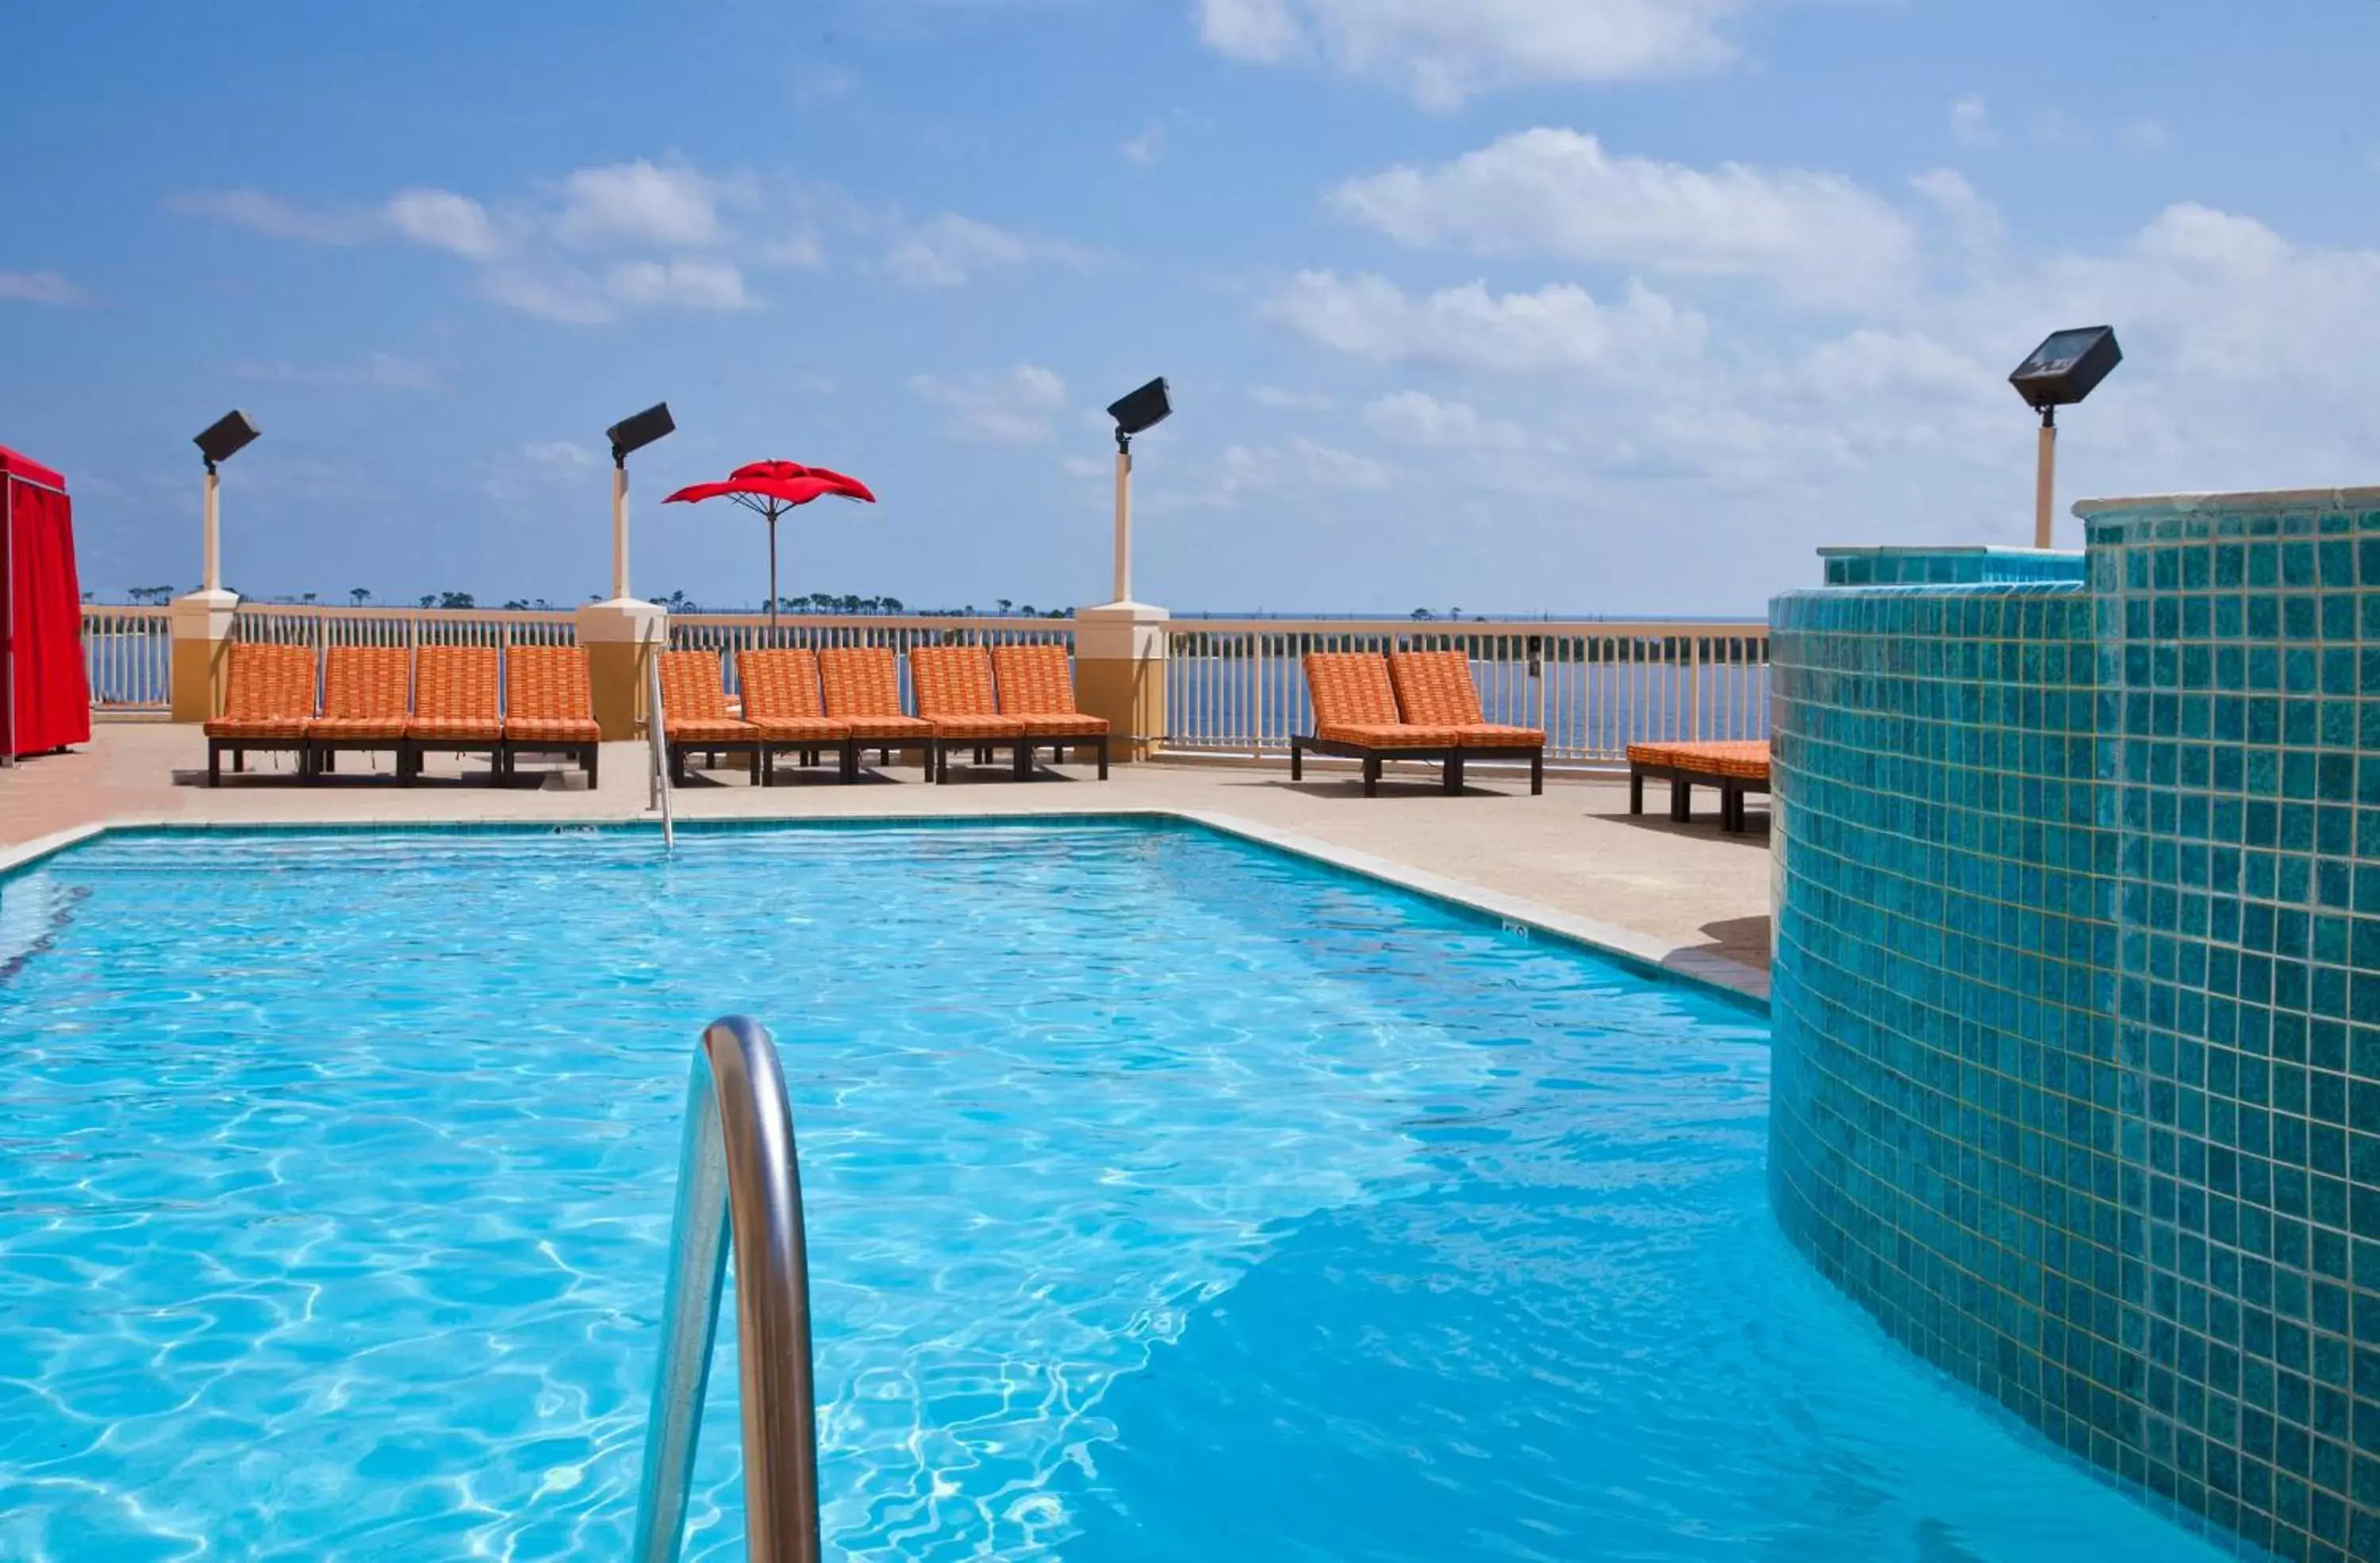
pixel 44 698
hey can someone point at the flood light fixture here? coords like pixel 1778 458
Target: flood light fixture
pixel 2067 367
pixel 224 437
pixel 1134 413
pixel 634 433
pixel 630 434
pixel 218 442
pixel 1142 410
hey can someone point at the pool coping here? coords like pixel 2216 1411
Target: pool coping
pixel 1732 980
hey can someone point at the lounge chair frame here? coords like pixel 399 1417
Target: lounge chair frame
pixel 1450 757
pixel 1020 758
pixel 586 755
pixel 1682 779
pixel 323 755
pixel 714 749
pixel 238 749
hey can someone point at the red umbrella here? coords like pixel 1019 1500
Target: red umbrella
pixel 768 489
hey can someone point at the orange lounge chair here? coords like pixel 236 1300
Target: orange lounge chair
pixel 455 711
pixel 695 715
pixel 268 702
pixel 366 699
pixel 1433 689
pixel 549 707
pixel 953 687
pixel 1355 716
pixel 862 685
pixel 1037 683
pixel 782 698
pixel 1735 767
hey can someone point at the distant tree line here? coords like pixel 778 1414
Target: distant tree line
pixel 676 602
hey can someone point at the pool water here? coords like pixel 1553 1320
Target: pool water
pixel 1169 1199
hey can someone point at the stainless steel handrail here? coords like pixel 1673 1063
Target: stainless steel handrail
pixel 659 746
pixel 739 1171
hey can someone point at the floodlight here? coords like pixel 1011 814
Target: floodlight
pixel 2066 368
pixel 1144 410
pixel 1141 410
pixel 630 434
pixel 635 433
pixel 224 437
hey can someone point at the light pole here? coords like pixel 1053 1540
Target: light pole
pixel 1142 410
pixel 224 437
pixel 630 434
pixel 2066 368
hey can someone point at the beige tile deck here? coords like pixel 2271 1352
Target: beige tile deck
pixel 1575 859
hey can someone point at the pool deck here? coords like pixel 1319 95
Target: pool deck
pixel 1687 897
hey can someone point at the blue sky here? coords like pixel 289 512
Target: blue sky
pixel 1609 306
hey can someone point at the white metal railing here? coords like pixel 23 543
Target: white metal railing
pixel 128 655
pixel 1237 685
pixel 747 632
pixel 291 625
pixel 1233 686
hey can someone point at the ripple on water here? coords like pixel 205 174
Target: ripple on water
pixel 1168 1199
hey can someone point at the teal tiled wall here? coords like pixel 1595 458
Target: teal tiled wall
pixel 2077 995
pixel 1946 566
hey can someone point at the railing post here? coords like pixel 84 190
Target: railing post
pixel 1120 673
pixel 1257 745
pixel 202 628
pixel 1694 688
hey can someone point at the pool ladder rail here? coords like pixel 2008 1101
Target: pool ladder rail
pixel 656 732
pixel 739 1175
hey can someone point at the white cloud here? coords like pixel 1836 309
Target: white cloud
pixel 1870 366
pixel 570 295
pixel 1016 408
pixel 523 250
pixel 276 218
pixel 1417 418
pixel 1265 30
pixel 1558 193
pixel 38 287
pixel 801 250
pixel 1145 147
pixel 2223 300
pixel 443 220
pixel 949 251
pixel 1288 401
pixel 2146 136
pixel 562 294
pixel 1560 327
pixel 1443 51
pixel 1301 463
pixel 1974 222
pixel 534 473
pixel 684 285
pixel 814 85
pixel 641 203
pixel 1971 121
pixel 381 371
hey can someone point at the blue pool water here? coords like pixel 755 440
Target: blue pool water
pixel 1170 1200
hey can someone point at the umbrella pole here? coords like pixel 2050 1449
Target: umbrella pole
pixel 772 579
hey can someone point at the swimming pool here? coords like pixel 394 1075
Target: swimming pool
pixel 1169 1198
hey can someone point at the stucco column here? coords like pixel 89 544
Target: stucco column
pixel 1120 674
pixel 620 636
pixel 202 628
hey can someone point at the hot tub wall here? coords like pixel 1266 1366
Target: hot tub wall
pixel 2077 993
